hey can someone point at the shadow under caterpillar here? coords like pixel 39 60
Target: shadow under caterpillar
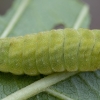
pixel 51 51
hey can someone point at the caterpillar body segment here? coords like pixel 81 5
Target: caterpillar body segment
pixel 29 48
pixel 71 46
pixel 85 49
pixel 42 53
pixel 95 54
pixel 4 54
pixel 56 50
pixel 15 55
pixel 51 51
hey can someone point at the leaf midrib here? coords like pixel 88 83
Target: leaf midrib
pixel 15 18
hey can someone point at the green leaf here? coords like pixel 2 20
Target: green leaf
pixel 30 16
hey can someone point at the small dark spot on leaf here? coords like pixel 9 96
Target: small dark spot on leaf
pixel 5 5
pixel 42 76
pixel 59 26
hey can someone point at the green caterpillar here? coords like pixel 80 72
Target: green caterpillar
pixel 51 51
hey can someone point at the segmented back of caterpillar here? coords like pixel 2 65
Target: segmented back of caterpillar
pixel 51 51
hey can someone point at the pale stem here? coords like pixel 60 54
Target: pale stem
pixel 81 17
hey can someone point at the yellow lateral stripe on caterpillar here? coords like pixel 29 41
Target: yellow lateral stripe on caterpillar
pixel 51 51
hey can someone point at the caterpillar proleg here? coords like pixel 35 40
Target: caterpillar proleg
pixel 51 51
